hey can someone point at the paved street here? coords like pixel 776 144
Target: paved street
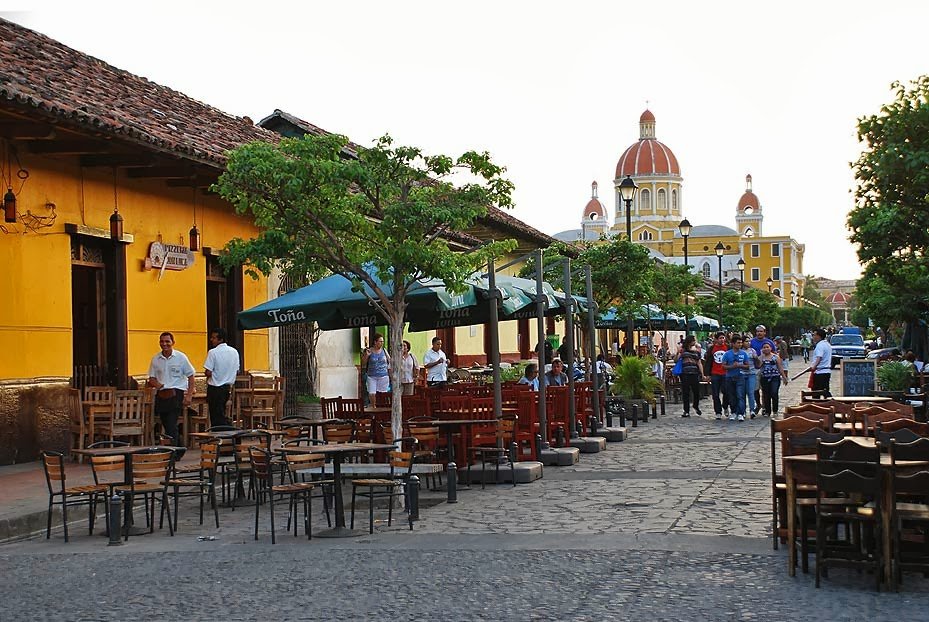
pixel 669 525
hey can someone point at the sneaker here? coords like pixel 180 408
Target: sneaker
pixel 726 411
pixel 718 416
pixel 741 417
pixel 686 414
pixel 732 417
pixel 753 415
pixel 697 410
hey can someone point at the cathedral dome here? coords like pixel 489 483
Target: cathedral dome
pixel 838 299
pixel 594 209
pixel 648 156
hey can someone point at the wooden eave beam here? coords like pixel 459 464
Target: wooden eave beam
pixel 120 160
pixel 69 147
pixel 161 172
pixel 25 130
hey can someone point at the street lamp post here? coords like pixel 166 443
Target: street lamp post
pixel 720 251
pixel 684 227
pixel 769 283
pixel 741 264
pixel 627 190
pixel 793 298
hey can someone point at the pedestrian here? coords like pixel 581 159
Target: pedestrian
pixel 172 374
pixel 563 350
pixel 760 338
pixel 714 360
pixel 783 350
pixel 376 364
pixel 604 369
pixel 752 396
pixel 772 370
pixel 436 364
pixel 556 377
pixel 408 369
pixel 548 351
pixel 530 376
pixel 220 367
pixel 734 361
pixel 806 342
pixel 821 364
pixel 691 374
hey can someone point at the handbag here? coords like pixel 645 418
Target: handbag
pixel 678 367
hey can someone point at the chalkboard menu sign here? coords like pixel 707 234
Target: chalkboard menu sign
pixel 859 376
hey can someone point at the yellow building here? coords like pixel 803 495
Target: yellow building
pixel 657 210
pixel 85 146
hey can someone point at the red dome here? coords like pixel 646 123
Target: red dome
pixel 594 206
pixel 749 199
pixel 838 298
pixel 647 157
pixel 647 116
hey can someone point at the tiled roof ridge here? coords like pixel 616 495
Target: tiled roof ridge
pixel 69 85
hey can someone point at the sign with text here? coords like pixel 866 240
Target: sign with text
pixel 859 376
pixel 169 257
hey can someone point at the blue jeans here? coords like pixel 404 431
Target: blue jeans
pixel 751 382
pixel 735 387
pixel 720 393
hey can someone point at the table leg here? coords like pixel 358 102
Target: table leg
pixel 886 511
pixel 340 530
pixel 791 519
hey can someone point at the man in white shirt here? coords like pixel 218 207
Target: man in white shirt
pixel 821 362
pixel 436 364
pixel 221 367
pixel 172 374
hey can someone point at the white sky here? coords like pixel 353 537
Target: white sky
pixel 553 90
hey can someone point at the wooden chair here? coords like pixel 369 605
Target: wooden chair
pixel 77 425
pixel 198 481
pixel 414 406
pixel 455 406
pixel 330 407
pixel 339 432
pixel 921 429
pixel 299 465
pixel 904 409
pixel 351 408
pixel 779 430
pixel 910 492
pixel 98 407
pixel 401 467
pixel 128 416
pixel 242 464
pixel 872 419
pixel 428 443
pixel 811 411
pixel 240 395
pixel 496 451
pixel 68 496
pixel 260 466
pixel 848 482
pixel 263 410
pixel 150 470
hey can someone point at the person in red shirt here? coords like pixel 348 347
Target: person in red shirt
pixel 714 360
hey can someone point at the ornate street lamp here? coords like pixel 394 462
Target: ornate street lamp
pixel 769 283
pixel 627 191
pixel 720 251
pixel 741 264
pixel 685 228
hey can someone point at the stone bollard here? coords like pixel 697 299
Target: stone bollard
pixel 593 425
pixel 662 400
pixel 514 452
pixel 622 416
pixel 113 520
pixel 609 415
pixel 635 415
pixel 538 445
pixel 559 437
pixel 451 479
pixel 413 492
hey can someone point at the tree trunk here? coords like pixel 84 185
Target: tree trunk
pixel 396 358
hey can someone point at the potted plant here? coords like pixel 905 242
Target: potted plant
pixel 634 381
pixel 308 406
pixel 894 378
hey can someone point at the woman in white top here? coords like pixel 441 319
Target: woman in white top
pixel 408 369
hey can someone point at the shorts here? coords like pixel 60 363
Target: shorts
pixel 378 385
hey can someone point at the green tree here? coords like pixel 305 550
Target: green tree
pixel 814 296
pixel 742 312
pixel 374 215
pixel 792 319
pixel 890 220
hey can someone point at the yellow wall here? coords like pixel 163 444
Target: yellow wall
pixel 35 278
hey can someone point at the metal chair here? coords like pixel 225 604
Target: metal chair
pixel 401 468
pixel 61 494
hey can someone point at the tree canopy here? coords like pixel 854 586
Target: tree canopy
pixel 890 220
pixel 374 215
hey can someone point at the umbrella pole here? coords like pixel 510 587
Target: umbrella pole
pixel 592 356
pixel 540 325
pixel 569 335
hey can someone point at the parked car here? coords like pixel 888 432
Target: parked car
pixel 846 346
pixel 884 354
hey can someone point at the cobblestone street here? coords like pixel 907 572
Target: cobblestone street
pixel 672 524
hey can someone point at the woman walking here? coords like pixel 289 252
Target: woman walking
pixel 771 372
pixel 751 377
pixel 408 369
pixel 691 374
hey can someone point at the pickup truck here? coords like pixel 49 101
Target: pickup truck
pixel 846 346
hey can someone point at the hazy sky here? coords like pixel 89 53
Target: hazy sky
pixel 553 90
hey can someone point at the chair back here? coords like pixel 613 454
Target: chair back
pixel 128 413
pixel 904 409
pixel 803 443
pixel 151 465
pixel 364 430
pixel 330 407
pixel 401 462
pixel 351 407
pixel 482 408
pixel 54 464
pixel 804 410
pixel 75 410
pixel 425 434
pixel 209 455
pixel 383 398
pixel 920 428
pixel 917 449
pixel 300 462
pixel 455 406
pixel 242 443
pixel 871 421
pixel 414 406
pixel 903 435
pixel 108 469
pixel 99 395
pixel 848 467
pixel 810 407
pixel 260 461
pixel 908 482
pixel 339 432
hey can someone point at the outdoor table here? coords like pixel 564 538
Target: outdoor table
pixel 127 469
pixel 794 464
pixel 337 450
pixel 226 434
pixel 854 399
pixel 452 425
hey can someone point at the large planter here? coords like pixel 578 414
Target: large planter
pixel 310 410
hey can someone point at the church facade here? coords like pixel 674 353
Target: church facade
pixel 771 262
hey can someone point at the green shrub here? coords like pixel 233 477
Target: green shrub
pixel 633 378
pixel 895 376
